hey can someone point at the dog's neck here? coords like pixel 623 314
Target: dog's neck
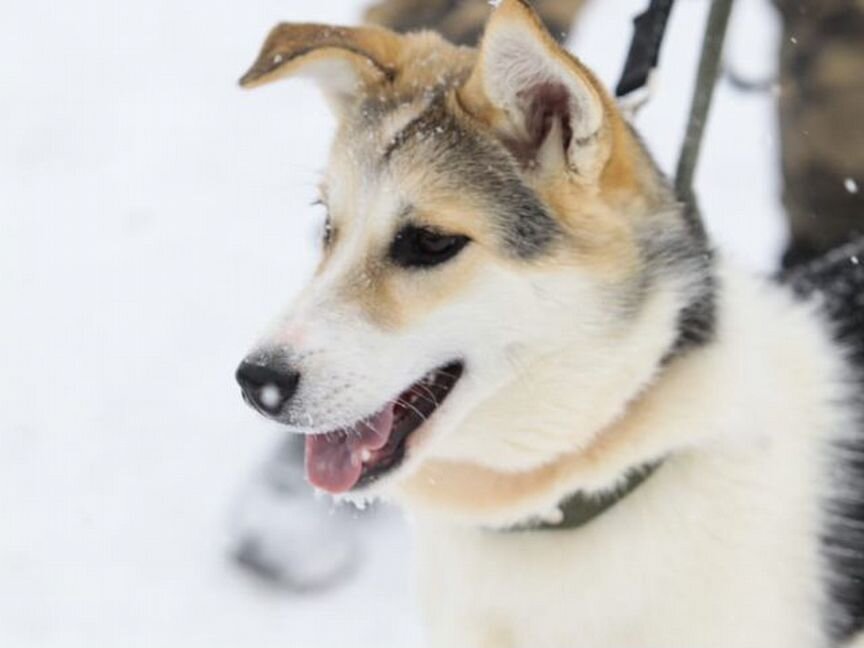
pixel 619 441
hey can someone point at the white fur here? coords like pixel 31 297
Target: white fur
pixel 718 549
pixel 337 78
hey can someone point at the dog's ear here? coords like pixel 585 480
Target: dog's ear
pixel 543 104
pixel 344 60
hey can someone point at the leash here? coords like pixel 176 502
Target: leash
pixel 643 58
pixel 579 509
pixel 706 80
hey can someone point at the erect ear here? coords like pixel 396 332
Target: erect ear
pixel 344 60
pixel 543 104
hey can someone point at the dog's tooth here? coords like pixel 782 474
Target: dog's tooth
pixel 365 455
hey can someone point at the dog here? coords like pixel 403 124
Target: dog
pixel 604 433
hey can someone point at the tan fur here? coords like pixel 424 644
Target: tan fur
pixel 390 299
pixel 384 62
pixel 373 52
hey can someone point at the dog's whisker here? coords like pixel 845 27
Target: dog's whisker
pixel 408 405
pixel 368 427
pixel 449 374
pixel 432 397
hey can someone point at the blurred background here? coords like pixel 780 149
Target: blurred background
pixel 153 219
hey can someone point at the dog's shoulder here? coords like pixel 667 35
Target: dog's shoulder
pixel 836 280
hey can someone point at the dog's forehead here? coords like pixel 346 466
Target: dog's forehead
pixel 359 168
pixel 393 155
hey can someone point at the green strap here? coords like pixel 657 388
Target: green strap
pixel 579 509
pixel 703 92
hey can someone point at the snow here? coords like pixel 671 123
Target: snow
pixel 153 219
pixel 850 185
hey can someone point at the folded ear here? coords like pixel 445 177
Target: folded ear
pixel 344 60
pixel 544 105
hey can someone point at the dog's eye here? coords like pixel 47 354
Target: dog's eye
pixel 418 247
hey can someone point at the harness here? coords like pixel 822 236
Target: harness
pixel 580 508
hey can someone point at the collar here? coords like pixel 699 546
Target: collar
pixel 579 509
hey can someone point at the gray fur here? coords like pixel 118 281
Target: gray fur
pixel 837 280
pixel 481 164
pixel 683 252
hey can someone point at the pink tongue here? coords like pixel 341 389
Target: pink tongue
pixel 334 460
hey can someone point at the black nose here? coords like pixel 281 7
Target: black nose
pixel 267 388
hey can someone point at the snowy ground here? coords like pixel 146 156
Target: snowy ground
pixel 153 218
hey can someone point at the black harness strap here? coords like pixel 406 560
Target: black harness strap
pixel 579 509
pixel 644 54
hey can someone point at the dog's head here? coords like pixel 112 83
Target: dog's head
pixel 495 278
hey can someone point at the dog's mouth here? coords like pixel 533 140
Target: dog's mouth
pixel 343 459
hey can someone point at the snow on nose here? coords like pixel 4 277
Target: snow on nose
pixel 270 396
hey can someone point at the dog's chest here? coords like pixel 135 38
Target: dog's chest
pixel 702 570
